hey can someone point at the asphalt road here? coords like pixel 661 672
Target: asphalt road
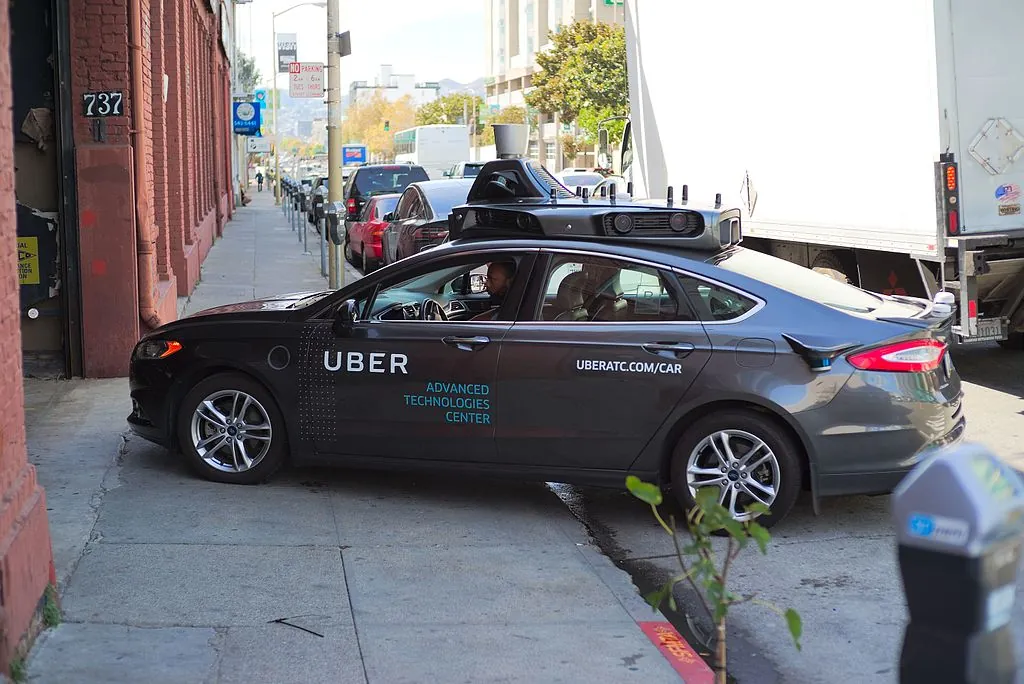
pixel 838 569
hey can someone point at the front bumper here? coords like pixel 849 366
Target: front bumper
pixel 150 388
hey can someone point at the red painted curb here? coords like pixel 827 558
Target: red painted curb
pixel 690 666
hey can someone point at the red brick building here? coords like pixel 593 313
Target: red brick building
pixel 115 179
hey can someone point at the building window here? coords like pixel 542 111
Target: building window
pixel 534 150
pixel 550 151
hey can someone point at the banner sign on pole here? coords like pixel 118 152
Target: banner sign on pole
pixel 261 98
pixel 287 51
pixel 246 117
pixel 257 145
pixel 306 79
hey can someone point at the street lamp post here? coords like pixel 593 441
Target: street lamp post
pixel 273 28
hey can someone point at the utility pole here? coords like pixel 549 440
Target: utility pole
pixel 335 268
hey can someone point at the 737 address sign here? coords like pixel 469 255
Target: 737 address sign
pixel 105 103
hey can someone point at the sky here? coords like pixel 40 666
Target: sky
pixel 431 39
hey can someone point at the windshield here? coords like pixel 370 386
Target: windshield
pixel 385 180
pixel 471 170
pixel 582 179
pixel 806 283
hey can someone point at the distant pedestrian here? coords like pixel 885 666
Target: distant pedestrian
pixel 259 181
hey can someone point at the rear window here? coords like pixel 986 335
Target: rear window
pixel 582 179
pixel 386 205
pixel 472 170
pixel 803 282
pixel 385 180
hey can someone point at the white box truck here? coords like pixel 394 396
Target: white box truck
pixel 436 147
pixel 878 141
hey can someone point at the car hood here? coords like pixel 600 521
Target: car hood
pixel 280 302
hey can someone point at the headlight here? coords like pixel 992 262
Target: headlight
pixel 157 349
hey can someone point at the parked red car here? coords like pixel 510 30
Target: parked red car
pixel 362 242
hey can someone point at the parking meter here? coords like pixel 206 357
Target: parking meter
pixel 302 200
pixel 318 206
pixel 959 519
pixel 333 211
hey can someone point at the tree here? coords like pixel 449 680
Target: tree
pixel 450 109
pixel 513 115
pixel 583 77
pixel 248 73
pixel 365 119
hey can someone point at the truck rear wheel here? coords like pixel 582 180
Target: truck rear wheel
pixel 829 264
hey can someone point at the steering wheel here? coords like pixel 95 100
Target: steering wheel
pixel 431 310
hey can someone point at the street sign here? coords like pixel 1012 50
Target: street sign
pixel 353 154
pixel 257 145
pixel 287 51
pixel 306 79
pixel 261 97
pixel 246 117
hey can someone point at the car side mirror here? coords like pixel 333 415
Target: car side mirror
pixel 389 217
pixel 346 317
pixel 477 283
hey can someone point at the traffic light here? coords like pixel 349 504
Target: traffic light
pixel 387 125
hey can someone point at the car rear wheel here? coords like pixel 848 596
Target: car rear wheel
pixel 349 256
pixel 369 265
pixel 745 457
pixel 230 430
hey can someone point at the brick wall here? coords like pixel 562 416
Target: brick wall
pixel 184 135
pixel 25 555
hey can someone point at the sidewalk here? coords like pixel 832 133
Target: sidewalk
pixel 321 575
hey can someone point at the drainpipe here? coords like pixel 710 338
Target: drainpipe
pixel 215 160
pixel 144 231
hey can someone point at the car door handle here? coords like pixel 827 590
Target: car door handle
pixel 678 349
pixel 466 343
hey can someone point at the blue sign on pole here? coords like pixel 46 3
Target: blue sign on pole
pixel 245 118
pixel 353 154
pixel 261 97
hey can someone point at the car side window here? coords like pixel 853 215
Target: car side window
pixel 583 289
pixel 416 208
pixel 405 205
pixel 715 303
pixel 368 212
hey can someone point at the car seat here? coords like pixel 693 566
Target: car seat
pixel 571 298
pixel 607 302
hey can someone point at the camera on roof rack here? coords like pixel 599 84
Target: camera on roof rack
pixel 516 198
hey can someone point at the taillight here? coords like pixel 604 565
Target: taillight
pixel 913 356
pixel 351 203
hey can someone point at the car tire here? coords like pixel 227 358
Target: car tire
pixel 783 464
pixel 349 256
pixel 369 265
pixel 829 264
pixel 261 415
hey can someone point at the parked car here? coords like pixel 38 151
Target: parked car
pixel 620 183
pixel 464 170
pixel 376 179
pixel 363 240
pixel 318 195
pixel 574 179
pixel 421 218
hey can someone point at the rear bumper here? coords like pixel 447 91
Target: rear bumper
pixel 878 427
pixel 882 481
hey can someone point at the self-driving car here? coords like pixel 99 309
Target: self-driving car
pixel 567 339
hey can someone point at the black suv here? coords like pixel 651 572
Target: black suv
pixel 376 179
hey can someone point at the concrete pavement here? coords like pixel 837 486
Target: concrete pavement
pixel 320 575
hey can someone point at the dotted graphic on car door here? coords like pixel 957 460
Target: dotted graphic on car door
pixel 318 406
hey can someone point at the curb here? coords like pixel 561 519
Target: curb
pixel 678 652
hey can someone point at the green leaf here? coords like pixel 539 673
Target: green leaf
pixel 796 626
pixel 760 535
pixel 657 597
pixel 758 508
pixel 735 529
pixel 645 491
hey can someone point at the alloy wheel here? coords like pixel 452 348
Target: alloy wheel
pixel 740 465
pixel 231 431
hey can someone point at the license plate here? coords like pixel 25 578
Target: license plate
pixel 989 329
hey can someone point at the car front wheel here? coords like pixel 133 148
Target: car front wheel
pixel 230 430
pixel 745 458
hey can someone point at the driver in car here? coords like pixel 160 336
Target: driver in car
pixel 498 281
